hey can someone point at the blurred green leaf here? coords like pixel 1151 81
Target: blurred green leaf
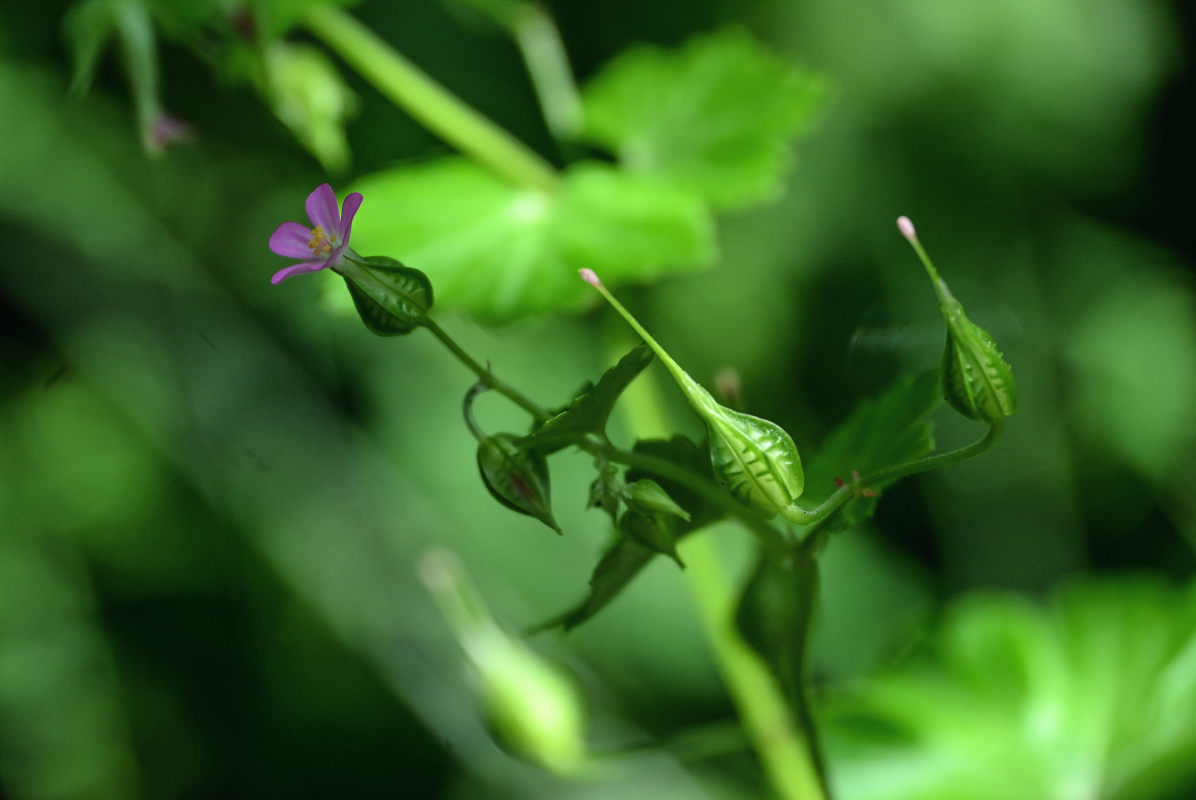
pixel 592 406
pixel 1093 696
pixel 391 298
pixel 1133 360
pixel 503 252
pixel 882 432
pixel 715 116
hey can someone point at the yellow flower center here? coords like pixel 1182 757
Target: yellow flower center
pixel 321 243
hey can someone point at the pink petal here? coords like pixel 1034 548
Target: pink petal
pixel 297 269
pixel 322 210
pixel 348 211
pixel 290 240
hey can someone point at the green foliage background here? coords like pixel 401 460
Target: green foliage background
pixel 213 491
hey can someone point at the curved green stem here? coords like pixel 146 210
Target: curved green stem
pixel 485 376
pixel 467 410
pixel 429 102
pixel 799 515
pixel 803 516
pixel 937 461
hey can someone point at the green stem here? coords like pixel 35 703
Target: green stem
pixel 547 63
pixel 467 410
pixel 806 570
pixel 785 749
pixel 946 300
pixel 936 461
pixel 429 102
pixel 802 516
pixel 485 376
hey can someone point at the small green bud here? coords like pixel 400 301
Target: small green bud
pixel 974 377
pixel 657 532
pixel 648 497
pixel 516 476
pixel 533 708
pixel 754 459
pixel 606 492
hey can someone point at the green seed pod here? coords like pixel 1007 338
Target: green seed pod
pixel 391 298
pixel 976 381
pixel 754 459
pixel 516 476
pixel 974 377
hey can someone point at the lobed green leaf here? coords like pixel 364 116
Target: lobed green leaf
pixel 1092 694
pixel 714 116
pixel 503 252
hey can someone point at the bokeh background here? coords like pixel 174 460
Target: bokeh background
pixel 213 492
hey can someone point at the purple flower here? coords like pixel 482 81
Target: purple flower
pixel 323 244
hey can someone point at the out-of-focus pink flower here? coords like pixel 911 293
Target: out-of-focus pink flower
pixel 165 131
pixel 324 243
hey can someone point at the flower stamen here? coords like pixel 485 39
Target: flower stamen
pixel 321 243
